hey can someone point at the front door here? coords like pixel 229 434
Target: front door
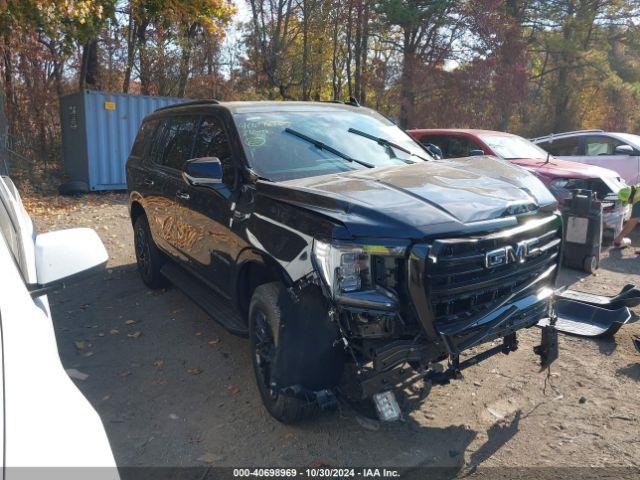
pixel 600 150
pixel 205 212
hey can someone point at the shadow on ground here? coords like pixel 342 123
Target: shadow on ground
pixel 173 388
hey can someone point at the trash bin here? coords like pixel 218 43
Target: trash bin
pixel 582 215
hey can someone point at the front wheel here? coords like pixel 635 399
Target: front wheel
pixel 148 257
pixel 266 311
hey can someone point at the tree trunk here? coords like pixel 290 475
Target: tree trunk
pixel 131 53
pixel 185 59
pixel 145 61
pixel 90 65
pixel 407 90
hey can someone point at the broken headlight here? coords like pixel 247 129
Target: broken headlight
pixel 348 267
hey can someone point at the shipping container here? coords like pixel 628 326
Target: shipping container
pixel 98 130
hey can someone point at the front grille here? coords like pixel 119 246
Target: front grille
pixel 462 282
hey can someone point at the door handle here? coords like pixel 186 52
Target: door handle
pixel 148 182
pixel 183 195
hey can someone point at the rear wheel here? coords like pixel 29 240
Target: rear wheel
pixel 265 315
pixel 148 257
pixel 590 264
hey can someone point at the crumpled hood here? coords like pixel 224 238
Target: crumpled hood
pixel 413 201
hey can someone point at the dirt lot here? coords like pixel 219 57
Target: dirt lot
pixel 174 389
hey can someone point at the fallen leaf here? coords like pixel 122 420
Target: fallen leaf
pixel 135 334
pixel 114 331
pixel 195 371
pixel 233 390
pixel 80 344
pixel 158 364
pixel 199 334
pixel 130 322
pixel 173 416
pixel 213 343
pixel 177 311
pixel 125 374
pixel 76 374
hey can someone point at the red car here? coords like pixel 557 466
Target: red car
pixel 560 176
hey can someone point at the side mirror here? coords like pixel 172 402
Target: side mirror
pixel 203 171
pixel 434 150
pixel 476 153
pixel 624 150
pixel 64 254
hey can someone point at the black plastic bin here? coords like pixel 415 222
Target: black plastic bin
pixel 582 215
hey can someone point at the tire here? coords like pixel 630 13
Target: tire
pixel 265 315
pixel 590 264
pixel 148 257
pixel 73 187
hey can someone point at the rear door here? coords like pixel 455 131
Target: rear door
pixel 170 148
pixel 205 212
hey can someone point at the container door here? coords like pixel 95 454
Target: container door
pixel 205 213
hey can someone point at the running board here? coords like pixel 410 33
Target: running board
pixel 208 300
pixel 588 320
pixel 629 296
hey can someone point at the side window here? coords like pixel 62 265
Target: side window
pixel 436 140
pixel 598 145
pixel 460 147
pixel 159 141
pixel 212 141
pixel 451 146
pixel 142 139
pixel 562 147
pixel 179 142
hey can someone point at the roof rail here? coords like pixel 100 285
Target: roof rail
pixel 210 101
pixel 352 101
pixel 594 130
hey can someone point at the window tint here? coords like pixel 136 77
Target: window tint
pixel 143 137
pixel 451 146
pixel 159 141
pixel 598 145
pixel 179 142
pixel 212 141
pixel 562 147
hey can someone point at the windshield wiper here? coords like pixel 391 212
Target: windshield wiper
pixel 324 146
pixel 386 143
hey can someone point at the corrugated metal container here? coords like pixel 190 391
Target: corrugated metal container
pixel 98 130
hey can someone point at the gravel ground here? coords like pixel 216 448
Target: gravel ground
pixel 173 388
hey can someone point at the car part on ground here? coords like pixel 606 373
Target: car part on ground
pixel 589 315
pixel 582 216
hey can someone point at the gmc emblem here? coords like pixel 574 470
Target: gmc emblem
pixel 519 254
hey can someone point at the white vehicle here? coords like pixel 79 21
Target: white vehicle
pixel 47 422
pixel 619 152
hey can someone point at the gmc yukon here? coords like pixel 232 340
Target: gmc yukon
pixel 352 260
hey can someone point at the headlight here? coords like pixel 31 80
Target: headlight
pixel 347 267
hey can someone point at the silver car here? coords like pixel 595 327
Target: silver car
pixel 619 152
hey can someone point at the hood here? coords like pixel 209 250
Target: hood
pixel 557 168
pixel 414 201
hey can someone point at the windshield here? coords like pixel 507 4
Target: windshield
pixel 633 140
pixel 275 152
pixel 509 147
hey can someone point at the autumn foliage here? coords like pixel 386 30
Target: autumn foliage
pixel 531 67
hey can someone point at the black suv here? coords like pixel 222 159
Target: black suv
pixel 352 259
